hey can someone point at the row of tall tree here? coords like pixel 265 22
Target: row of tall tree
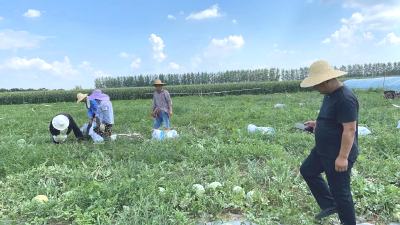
pixel 21 89
pixel 234 76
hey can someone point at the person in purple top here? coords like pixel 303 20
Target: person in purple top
pixel 105 108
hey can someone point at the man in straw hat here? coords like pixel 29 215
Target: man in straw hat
pixel 92 109
pixel 61 122
pixel 162 106
pixel 336 143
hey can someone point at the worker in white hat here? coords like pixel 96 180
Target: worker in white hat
pixel 336 143
pixel 61 122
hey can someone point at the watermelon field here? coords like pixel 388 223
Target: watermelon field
pixel 133 181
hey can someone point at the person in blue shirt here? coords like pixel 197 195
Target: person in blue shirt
pixel 92 109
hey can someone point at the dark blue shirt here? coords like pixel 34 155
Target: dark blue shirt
pixel 340 106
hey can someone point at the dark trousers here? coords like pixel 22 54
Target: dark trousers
pixel 75 128
pixel 338 193
pixel 90 125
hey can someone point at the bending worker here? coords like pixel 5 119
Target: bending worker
pixel 92 109
pixel 61 122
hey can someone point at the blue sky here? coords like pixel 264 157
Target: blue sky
pixel 60 44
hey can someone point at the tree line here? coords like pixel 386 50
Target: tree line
pixel 21 89
pixel 236 76
pixel 233 76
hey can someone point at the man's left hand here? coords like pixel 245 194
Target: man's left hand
pixel 170 113
pixel 341 164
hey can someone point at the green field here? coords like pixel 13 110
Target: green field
pixel 118 182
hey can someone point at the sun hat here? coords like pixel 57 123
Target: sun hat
pixel 158 81
pixel 60 122
pixel 320 71
pixel 81 96
pixel 97 94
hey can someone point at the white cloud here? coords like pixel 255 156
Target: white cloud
pixel 376 17
pixel 368 36
pixel 63 69
pixel 356 18
pixel 326 41
pixel 124 55
pixel 173 66
pixel 370 15
pixel 390 39
pixel 343 37
pixel 31 13
pixel 85 65
pixel 181 12
pixel 10 39
pixel 100 73
pixel 195 61
pixel 275 45
pixel 17 63
pixel 310 1
pixel 1 18
pixel 233 21
pixel 222 47
pixel 292 52
pixel 344 34
pixel 158 47
pixel 208 13
pixel 171 17
pixel 136 64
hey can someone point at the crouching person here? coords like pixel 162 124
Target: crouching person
pixel 61 122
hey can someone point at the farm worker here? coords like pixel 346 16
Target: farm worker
pixel 61 122
pixel 336 143
pixel 162 106
pixel 105 108
pixel 92 109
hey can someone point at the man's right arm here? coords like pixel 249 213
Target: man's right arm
pixel 154 105
pixel 154 101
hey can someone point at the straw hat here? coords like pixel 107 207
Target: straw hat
pixel 158 81
pixel 81 96
pixel 60 122
pixel 320 71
